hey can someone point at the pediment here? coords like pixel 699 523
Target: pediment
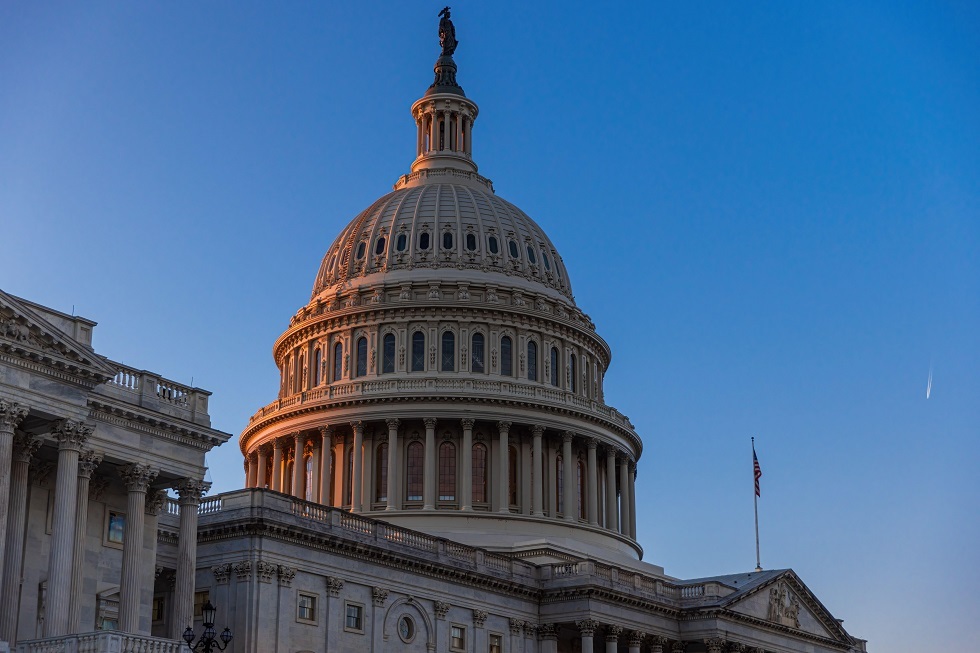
pixel 25 334
pixel 785 601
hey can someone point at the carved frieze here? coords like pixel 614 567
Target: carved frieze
pixel 265 571
pixel 334 585
pixel 243 570
pixel 784 607
pixel 480 618
pixel 286 575
pixel 221 573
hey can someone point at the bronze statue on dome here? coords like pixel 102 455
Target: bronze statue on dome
pixel 447 33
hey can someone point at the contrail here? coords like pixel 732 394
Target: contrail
pixel 929 382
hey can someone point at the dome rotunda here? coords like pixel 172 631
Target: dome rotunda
pixel 442 378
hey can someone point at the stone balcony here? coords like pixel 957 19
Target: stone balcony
pixel 151 391
pixel 105 641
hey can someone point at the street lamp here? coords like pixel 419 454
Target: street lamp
pixel 207 642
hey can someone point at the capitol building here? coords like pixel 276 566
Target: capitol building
pixel 441 470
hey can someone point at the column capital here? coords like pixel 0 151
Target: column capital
pixel 191 490
pixel 636 638
pixel 137 476
pixel 714 644
pixel 12 414
pixel 657 643
pixel 155 501
pixel 325 431
pixel 277 444
pixel 547 631
pixel 467 423
pixel 587 627
pixel 392 422
pixel 70 434
pixel 503 427
pixel 737 647
pixel 537 430
pixel 25 446
pixel 430 422
pixel 631 465
pixel 358 426
pixel 613 632
pixel 516 626
pixel 678 647
pixel 88 460
pixel 593 443
pixel 567 436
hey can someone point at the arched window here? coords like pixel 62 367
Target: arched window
pixel 317 362
pixel 448 351
pixel 309 478
pixel 476 353
pixel 571 372
pixel 388 353
pixel 362 357
pixel 297 372
pixel 416 475
pixel 447 472
pixel 401 243
pixel 361 246
pixel 506 357
pixel 424 240
pixel 338 361
pixel 381 473
pixel 554 366
pixel 379 246
pixel 532 361
pixel 418 352
pixel 581 489
pixel 331 491
pixel 492 243
pixel 447 240
pixel 471 242
pixel 512 473
pixel 560 484
pixel 479 473
pixel 512 248
pixel 350 475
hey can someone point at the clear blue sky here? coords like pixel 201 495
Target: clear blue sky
pixel 770 210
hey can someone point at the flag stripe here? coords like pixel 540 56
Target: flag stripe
pixel 757 472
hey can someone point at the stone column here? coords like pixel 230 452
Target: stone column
pixel 24 446
pixel 612 638
pixel 355 493
pixel 429 486
pixel 326 450
pixel 466 489
pixel 657 643
pixel 263 462
pixel 189 491
pixel 635 641
pixel 433 133
pixel 87 462
pixel 418 136
pixel 632 490
pixel 71 436
pixel 445 131
pixel 503 473
pixel 612 509
pixel 137 478
pixel 299 466
pixel 247 463
pixel 624 500
pixel 277 465
pixel 549 638
pixel 11 414
pixel 367 472
pixel 571 478
pixel 592 491
pixel 394 465
pixel 537 490
pixel 586 629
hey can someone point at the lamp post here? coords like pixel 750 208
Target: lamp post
pixel 208 641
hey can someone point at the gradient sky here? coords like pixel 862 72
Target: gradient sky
pixel 770 210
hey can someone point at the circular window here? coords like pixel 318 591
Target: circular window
pixel 406 629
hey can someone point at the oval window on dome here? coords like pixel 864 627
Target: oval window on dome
pixel 547 263
pixel 530 255
pixel 447 240
pixel 401 243
pixel 379 247
pixel 471 242
pixel 361 246
pixel 512 246
pixel 424 240
pixel 494 248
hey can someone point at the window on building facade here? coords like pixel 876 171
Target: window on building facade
pixel 401 243
pixel 479 473
pixel 317 362
pixel 447 472
pixel 388 354
pixel 476 353
pixel 361 357
pixel 581 489
pixel 547 263
pixel 496 644
pixel 200 599
pixel 571 372
pixel 448 351
pixel 424 240
pixel 471 242
pixel 415 476
pixel 492 245
pixel 506 360
pixel 560 484
pixel 530 255
pixel 381 473
pixel 447 240
pixel 338 361
pixel 554 366
pixel 457 638
pixel 157 614
pixel 361 246
pixel 418 352
pixel 306 608
pixel 350 474
pixel 354 620
pixel 512 472
pixel 379 246
pixel 532 361
pixel 512 248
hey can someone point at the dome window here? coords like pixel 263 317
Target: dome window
pixel 448 352
pixel 532 361
pixel 547 263
pixel 388 354
pixel 476 360
pixel 418 352
pixel 506 362
pixel 361 246
pixel 530 255
pixel 362 357
pixel 447 240
pixel 424 240
pixel 494 248
pixel 471 242
pixel 379 246
pixel 401 243
pixel 512 246
pixel 554 367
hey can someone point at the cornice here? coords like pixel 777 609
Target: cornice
pixel 134 418
pixel 54 368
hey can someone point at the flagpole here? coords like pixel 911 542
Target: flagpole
pixel 755 500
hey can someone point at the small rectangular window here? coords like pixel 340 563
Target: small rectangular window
pixel 200 598
pixel 457 638
pixel 157 611
pixel 115 528
pixel 496 644
pixel 306 608
pixel 355 618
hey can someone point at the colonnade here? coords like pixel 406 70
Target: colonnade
pixel 307 465
pixel 75 465
pixel 445 130
pixel 612 634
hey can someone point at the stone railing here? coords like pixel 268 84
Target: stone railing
pixel 100 642
pixel 588 571
pixel 433 386
pixel 149 390
pixel 452 173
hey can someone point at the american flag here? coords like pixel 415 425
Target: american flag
pixel 757 472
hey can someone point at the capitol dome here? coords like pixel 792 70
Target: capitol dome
pixel 442 378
